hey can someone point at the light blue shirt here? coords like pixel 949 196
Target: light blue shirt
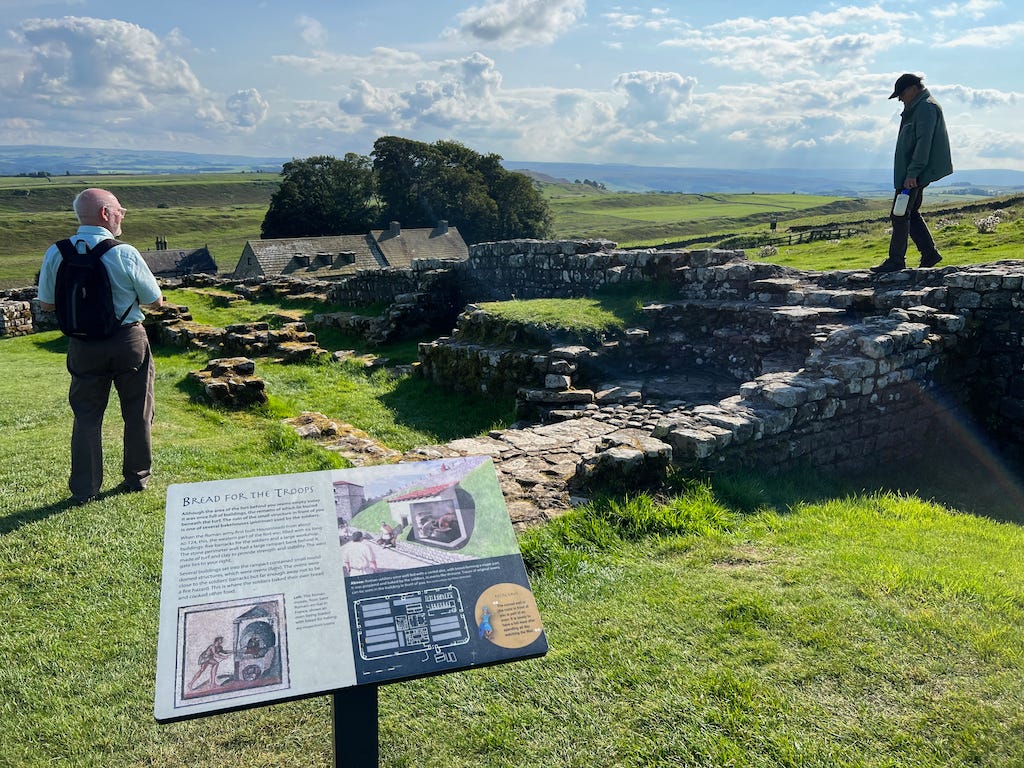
pixel 131 281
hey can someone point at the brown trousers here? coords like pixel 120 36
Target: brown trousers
pixel 124 360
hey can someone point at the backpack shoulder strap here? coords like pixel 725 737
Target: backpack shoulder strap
pixel 103 246
pixel 98 250
pixel 66 248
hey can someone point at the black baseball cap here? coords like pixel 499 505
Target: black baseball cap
pixel 903 82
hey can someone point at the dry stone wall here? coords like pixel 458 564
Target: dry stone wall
pixel 231 382
pixel 752 365
pixel 747 364
pixel 15 318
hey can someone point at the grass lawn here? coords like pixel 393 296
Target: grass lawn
pixel 957 237
pixel 804 621
pixel 798 622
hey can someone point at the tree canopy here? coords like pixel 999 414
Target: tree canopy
pixel 323 196
pixel 414 183
pixel 420 184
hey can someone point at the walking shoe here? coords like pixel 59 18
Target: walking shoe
pixel 889 266
pixel 77 501
pixel 930 261
pixel 126 487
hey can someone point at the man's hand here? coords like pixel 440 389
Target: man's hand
pixel 910 183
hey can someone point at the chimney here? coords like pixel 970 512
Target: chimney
pixel 442 227
pixel 395 229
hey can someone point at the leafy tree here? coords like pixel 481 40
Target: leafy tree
pixel 420 184
pixel 323 196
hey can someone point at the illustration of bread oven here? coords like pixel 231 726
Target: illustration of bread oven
pixel 256 646
pixel 437 516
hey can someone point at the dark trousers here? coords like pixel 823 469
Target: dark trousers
pixel 124 360
pixel 913 225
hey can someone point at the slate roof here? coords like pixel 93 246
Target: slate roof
pixel 341 255
pixel 175 262
pixel 401 246
pixel 324 256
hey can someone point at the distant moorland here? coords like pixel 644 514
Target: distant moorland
pixel 224 210
pixel 836 182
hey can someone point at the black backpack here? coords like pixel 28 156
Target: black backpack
pixel 84 300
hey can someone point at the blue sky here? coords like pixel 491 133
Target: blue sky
pixel 709 84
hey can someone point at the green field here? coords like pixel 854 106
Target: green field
pixel 223 211
pixel 220 211
pixel 625 218
pixel 794 622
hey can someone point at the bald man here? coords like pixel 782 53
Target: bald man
pixel 124 360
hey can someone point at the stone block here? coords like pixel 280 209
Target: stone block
pixel 552 397
pixel 572 353
pixel 554 381
pixel 849 368
pixel 876 347
pixel 692 443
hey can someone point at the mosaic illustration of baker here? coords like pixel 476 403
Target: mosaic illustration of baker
pixel 228 649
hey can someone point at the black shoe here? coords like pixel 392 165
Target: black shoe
pixel 126 487
pixel 889 266
pixel 77 501
pixel 930 261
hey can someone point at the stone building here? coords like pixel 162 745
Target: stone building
pixel 178 262
pixel 343 255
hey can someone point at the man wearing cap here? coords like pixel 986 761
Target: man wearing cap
pixel 922 156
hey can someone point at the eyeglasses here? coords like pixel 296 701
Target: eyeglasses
pixel 117 208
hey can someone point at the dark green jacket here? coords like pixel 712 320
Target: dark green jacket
pixel 922 148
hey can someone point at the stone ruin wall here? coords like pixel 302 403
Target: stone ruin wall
pixel 836 369
pixel 833 369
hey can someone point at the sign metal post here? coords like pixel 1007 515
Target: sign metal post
pixel 356 731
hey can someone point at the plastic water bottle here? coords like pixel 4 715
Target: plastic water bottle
pixel 899 208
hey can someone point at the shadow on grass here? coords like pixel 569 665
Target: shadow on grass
pixel 426 407
pixel 13 522
pixel 57 344
pixel 193 389
pixel 985 484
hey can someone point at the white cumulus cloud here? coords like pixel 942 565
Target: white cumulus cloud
pixel 77 60
pixel 518 23
pixel 311 31
pixel 109 81
pixel 975 9
pixel 247 107
pixel 987 37
pixel 465 91
pixel 978 98
pixel 655 97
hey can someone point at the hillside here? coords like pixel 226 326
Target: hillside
pixel 27 195
pixel 222 211
pixel 59 161
pixel 837 182
pixel 656 219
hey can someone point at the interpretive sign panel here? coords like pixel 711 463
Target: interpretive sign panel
pixel 280 587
